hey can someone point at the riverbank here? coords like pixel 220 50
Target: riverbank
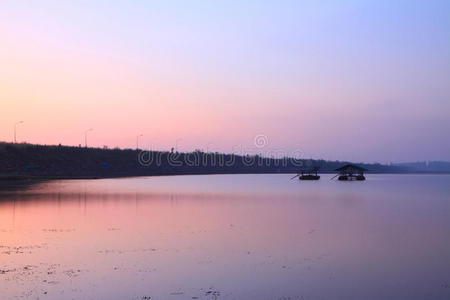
pixel 28 161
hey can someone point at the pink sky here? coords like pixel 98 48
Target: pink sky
pixel 210 78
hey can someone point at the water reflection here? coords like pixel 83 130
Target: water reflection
pixel 227 237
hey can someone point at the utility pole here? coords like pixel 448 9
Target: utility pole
pixel 85 136
pixel 137 141
pixel 15 130
pixel 176 144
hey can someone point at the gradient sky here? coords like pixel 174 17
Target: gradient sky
pixel 348 80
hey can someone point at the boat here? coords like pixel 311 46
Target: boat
pixel 351 177
pixel 308 174
pixel 350 173
pixel 309 177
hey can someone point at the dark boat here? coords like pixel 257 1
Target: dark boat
pixel 309 177
pixel 351 177
pixel 308 174
pixel 351 172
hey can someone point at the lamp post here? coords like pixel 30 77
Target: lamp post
pixel 85 136
pixel 15 129
pixel 207 147
pixel 176 144
pixel 137 141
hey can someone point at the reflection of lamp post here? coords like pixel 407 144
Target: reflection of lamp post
pixel 15 126
pixel 85 136
pixel 137 141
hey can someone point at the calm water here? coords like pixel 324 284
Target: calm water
pixel 227 237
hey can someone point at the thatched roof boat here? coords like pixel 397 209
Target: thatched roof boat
pixel 351 172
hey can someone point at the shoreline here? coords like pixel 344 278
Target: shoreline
pixel 14 178
pixel 44 162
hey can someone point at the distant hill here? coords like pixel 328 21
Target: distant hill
pixel 425 166
pixel 28 160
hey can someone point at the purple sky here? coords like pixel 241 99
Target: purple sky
pixel 348 80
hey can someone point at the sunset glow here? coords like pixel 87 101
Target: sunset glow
pixel 212 75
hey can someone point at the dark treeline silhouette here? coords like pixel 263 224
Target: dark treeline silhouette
pixel 425 166
pixel 23 160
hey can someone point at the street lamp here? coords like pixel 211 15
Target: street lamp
pixel 176 144
pixel 85 136
pixel 15 129
pixel 137 141
pixel 207 147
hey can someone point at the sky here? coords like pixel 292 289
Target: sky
pixel 340 80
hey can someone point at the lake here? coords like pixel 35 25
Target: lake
pixel 227 237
